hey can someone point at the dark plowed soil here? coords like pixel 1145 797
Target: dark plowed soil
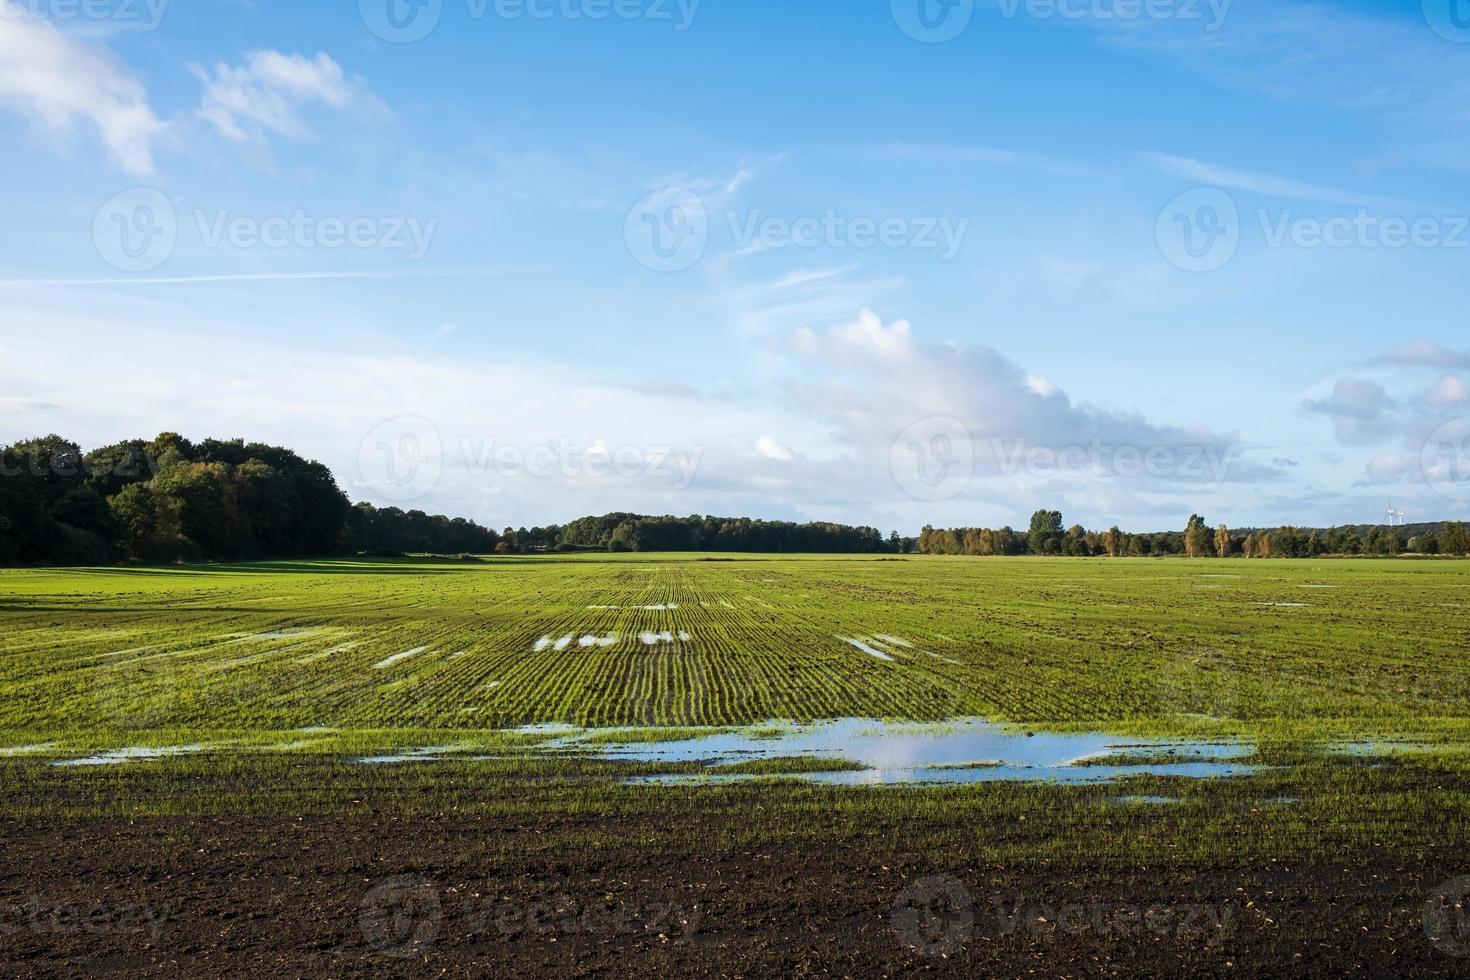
pixel 462 897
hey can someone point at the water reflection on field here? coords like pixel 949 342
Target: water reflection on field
pixel 962 751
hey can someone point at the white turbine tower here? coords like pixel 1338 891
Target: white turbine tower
pixel 1395 517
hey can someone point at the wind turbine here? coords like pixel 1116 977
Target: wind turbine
pixel 1395 517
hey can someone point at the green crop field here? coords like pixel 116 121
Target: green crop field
pixel 1325 648
pixel 350 721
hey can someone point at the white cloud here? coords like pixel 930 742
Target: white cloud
pixel 57 81
pixel 264 95
pixel 870 382
pixel 771 449
pixel 866 337
pixel 1040 386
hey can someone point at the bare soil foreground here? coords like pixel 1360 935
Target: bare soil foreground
pixel 348 896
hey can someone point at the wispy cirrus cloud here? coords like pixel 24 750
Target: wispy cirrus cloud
pixel 266 94
pixel 1229 178
pixel 1389 69
pixel 970 154
pixel 58 81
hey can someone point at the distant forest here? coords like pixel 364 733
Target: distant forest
pixel 168 499
pixel 637 532
pixel 1046 536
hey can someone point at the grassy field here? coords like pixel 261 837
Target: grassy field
pixel 1310 649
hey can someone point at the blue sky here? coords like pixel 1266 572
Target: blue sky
pixel 909 274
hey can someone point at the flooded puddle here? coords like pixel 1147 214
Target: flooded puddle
pixel 428 753
pixel 867 648
pixel 1379 747
pixel 390 661
pixel 651 639
pixel 118 757
pixel 962 751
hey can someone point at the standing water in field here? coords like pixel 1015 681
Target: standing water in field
pixel 961 751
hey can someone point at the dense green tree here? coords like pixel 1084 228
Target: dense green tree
pixel 1045 534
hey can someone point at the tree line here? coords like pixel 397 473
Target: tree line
pixel 170 499
pixel 638 532
pixel 1046 536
